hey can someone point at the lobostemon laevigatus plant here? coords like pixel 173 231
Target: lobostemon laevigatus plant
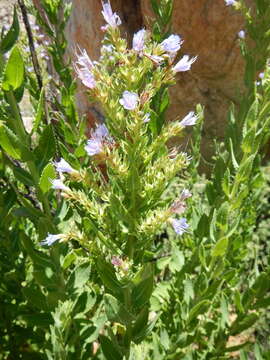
pixel 118 195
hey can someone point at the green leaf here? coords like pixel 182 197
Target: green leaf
pixel 80 276
pixel 107 274
pixel 13 146
pixel 245 169
pixel 23 176
pixel 85 302
pixel 145 331
pixel 224 311
pixel 177 260
pixel 46 147
pixel 12 35
pixel 14 71
pixel 116 311
pixel 144 282
pixel 47 174
pixel 188 290
pixel 109 349
pixel 220 247
pixel 69 259
pixel 198 309
pixel 240 325
pixel 141 321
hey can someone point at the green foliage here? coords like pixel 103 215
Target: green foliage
pixel 119 283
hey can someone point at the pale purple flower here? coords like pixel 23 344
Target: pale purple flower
pixel 241 34
pixel 83 59
pixel 179 206
pixel 57 184
pixel 111 18
pixel 101 132
pixel 93 147
pixel 138 40
pixel 95 144
pixel 180 226
pixel 50 239
pixel 129 100
pixel 63 167
pixel 189 119
pixel 147 118
pixel 172 44
pixel 184 64
pixel 230 2
pixel 84 68
pixel 261 75
pixel 86 77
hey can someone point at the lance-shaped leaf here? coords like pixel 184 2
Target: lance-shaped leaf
pixel 241 324
pixel 47 175
pixel 143 288
pixel 110 351
pixel 116 311
pixel 14 71
pixel 107 274
pixel 13 146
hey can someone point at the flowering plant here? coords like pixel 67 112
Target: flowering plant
pixel 113 245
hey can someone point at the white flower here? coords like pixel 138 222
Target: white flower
pixel 180 226
pixel 63 167
pixel 230 2
pixel 50 239
pixel 112 19
pixel 261 75
pixel 172 44
pixel 241 34
pixel 138 40
pixel 57 184
pixel 184 64
pixel 189 119
pixel 129 100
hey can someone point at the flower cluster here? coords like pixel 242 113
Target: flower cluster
pixel 124 81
